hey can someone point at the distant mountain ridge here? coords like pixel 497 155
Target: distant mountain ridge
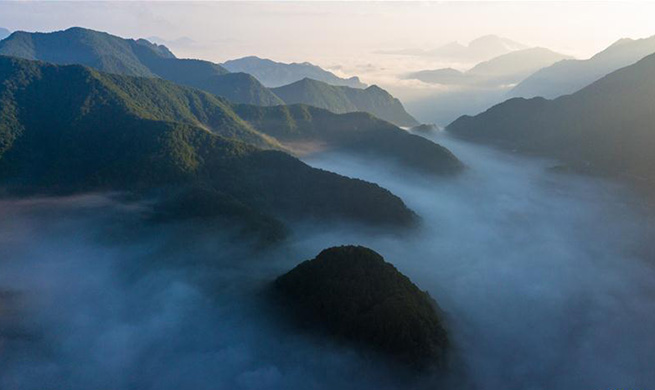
pixel 568 76
pixel 507 68
pixel 605 128
pixel 276 74
pixel 479 88
pixel 339 99
pixel 113 54
pixel 4 33
pixel 516 65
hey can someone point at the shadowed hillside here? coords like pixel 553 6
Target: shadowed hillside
pixel 356 132
pixel 605 128
pixel 67 129
pixel 352 293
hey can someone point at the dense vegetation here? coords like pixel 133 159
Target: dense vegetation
pixel 340 99
pixel 352 293
pixel 276 74
pixel 356 131
pixel 130 57
pixel 605 128
pixel 69 128
pixel 273 127
pixel 112 54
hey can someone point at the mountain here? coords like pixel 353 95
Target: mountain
pixel 568 76
pixel 276 74
pixel 339 99
pixel 280 127
pixel 113 54
pixel 480 49
pixel 130 57
pixel 81 46
pixel 302 127
pixel 4 33
pixel 477 89
pixel 505 69
pixel 606 128
pixel 69 129
pixel 515 66
pixel 351 293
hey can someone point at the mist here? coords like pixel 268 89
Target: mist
pixel 545 278
pixel 91 297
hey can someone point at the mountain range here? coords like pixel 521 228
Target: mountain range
pixel 568 76
pixel 276 74
pixel 340 99
pixel 606 128
pixel 304 128
pixel 68 129
pixel 505 69
pixel 4 33
pixel 112 54
pixel 477 89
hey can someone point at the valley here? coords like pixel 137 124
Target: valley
pixel 326 195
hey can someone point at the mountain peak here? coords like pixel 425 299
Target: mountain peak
pixel 275 74
pixel 624 45
pixel 354 293
pixel 621 41
pixel 342 99
pixel 161 50
pixel 377 89
pixel 142 58
pixel 569 76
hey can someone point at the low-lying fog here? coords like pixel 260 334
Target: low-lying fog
pixel 547 280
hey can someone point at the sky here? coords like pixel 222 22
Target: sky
pixel 345 37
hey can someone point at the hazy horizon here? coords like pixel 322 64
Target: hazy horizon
pixel 345 37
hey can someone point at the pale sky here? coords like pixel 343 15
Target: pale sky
pixel 343 36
